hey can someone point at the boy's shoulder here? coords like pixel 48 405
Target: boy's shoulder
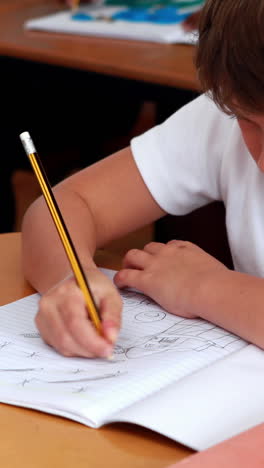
pixel 201 119
pixel 204 108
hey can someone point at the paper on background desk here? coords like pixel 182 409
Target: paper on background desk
pixel 142 31
pixel 159 377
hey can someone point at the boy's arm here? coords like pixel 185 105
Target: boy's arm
pixel 234 301
pixel 99 204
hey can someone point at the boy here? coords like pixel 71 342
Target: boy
pixel 198 155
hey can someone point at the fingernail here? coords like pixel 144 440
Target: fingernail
pixel 107 353
pixel 110 331
pixel 112 335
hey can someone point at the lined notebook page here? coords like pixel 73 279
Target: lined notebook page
pixel 154 349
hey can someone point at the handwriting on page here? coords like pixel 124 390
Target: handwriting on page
pixel 154 349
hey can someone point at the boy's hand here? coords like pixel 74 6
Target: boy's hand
pixel 171 274
pixel 63 319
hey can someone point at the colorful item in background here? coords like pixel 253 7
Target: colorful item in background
pixel 81 16
pixel 164 15
pixel 191 5
pixel 162 12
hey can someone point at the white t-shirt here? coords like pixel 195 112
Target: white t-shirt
pixel 198 155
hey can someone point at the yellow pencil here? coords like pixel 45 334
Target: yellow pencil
pixel 61 228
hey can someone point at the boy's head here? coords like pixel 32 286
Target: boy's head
pixel 230 54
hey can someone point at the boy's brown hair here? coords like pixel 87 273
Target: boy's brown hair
pixel 230 54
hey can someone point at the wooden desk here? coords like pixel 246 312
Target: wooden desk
pixel 32 439
pixel 162 64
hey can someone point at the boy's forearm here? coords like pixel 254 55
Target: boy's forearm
pixel 234 301
pixel 44 260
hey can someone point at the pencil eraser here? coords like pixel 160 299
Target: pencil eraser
pixel 27 143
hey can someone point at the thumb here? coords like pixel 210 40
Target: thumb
pixel 111 309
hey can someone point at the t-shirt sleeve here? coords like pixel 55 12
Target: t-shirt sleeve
pixel 180 160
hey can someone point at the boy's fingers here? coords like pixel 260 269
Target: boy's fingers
pixel 136 259
pixel 80 328
pixel 66 326
pixel 110 304
pixel 153 247
pixel 64 323
pixel 111 309
pixel 129 278
pixel 55 334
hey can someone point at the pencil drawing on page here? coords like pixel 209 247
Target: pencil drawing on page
pixel 28 364
pixel 183 335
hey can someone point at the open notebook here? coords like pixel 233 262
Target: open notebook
pixel 62 22
pixel 159 376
